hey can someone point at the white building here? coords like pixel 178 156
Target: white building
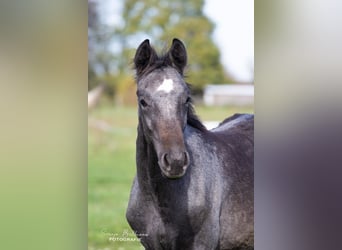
pixel 229 94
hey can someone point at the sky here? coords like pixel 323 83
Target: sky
pixel 233 34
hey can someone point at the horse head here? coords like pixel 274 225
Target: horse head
pixel 164 101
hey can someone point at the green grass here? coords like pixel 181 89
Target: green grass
pixel 111 168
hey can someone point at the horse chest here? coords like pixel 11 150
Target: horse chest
pixel 183 214
pixel 175 231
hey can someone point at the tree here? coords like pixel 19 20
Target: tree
pixel 100 57
pixel 163 20
pixel 93 23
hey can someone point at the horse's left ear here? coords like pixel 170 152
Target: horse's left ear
pixel 144 56
pixel 178 55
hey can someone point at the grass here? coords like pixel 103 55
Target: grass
pixel 111 168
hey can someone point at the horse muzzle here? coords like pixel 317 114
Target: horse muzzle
pixel 174 164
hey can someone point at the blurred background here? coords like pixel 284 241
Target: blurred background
pixel 44 131
pixel 219 37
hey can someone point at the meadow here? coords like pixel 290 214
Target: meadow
pixel 111 168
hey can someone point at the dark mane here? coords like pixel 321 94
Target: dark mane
pixel 164 61
pixel 193 119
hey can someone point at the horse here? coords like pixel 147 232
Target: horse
pixel 193 187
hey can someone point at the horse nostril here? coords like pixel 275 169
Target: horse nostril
pixel 169 160
pixel 186 159
pixel 165 160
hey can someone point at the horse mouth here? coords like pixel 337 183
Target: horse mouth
pixel 172 176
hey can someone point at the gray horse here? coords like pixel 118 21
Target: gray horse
pixel 194 187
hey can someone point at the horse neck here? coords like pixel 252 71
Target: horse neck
pixel 148 173
pixel 154 187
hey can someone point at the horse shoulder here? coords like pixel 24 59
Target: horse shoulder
pixel 143 218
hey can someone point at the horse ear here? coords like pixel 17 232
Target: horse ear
pixel 144 55
pixel 178 54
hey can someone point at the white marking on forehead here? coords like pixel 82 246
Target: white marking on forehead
pixel 166 86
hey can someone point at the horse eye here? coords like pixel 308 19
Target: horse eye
pixel 143 103
pixel 188 100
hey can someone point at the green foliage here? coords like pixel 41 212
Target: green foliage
pixel 100 57
pixel 111 49
pixel 92 78
pixel 163 20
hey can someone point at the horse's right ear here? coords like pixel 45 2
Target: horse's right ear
pixel 144 56
pixel 178 54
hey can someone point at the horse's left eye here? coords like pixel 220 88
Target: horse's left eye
pixel 188 100
pixel 143 103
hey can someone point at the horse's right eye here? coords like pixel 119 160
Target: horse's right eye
pixel 143 103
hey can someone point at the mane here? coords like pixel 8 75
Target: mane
pixel 164 61
pixel 193 119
